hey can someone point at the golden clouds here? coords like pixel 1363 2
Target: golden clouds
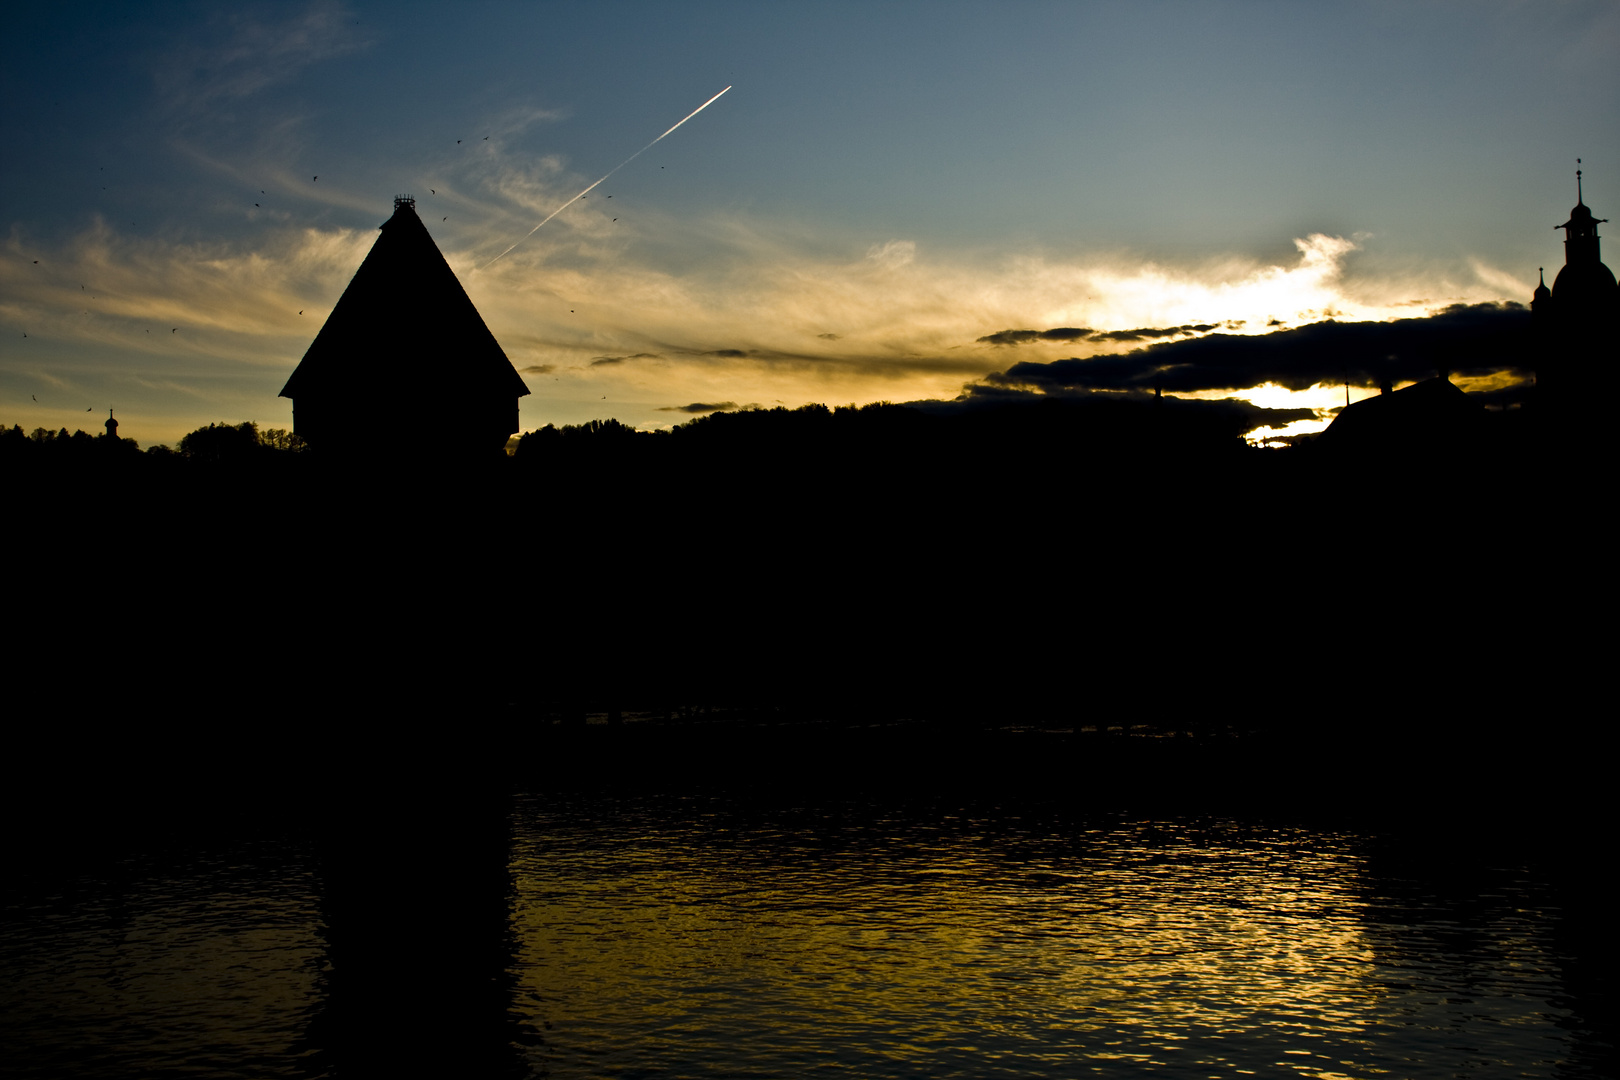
pixel 233 304
pixel 714 310
pixel 764 319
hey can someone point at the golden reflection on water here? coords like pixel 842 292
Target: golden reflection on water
pixel 942 948
pixel 699 937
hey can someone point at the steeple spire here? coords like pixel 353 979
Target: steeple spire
pixel 1580 231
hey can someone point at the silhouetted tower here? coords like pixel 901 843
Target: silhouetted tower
pixel 1576 319
pixel 111 425
pixel 1584 280
pixel 405 340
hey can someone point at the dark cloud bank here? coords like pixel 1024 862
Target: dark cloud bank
pixel 1474 339
pixel 700 407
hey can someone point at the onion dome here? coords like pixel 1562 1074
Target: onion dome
pixel 1580 218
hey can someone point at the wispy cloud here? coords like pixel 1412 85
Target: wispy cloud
pixel 242 53
pixel 600 360
pixel 134 295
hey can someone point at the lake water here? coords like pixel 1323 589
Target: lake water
pixel 717 936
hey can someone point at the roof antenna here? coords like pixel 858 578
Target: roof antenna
pixel 1578 199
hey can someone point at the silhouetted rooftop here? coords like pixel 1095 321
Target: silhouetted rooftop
pixel 1582 282
pixel 404 322
pixel 1434 409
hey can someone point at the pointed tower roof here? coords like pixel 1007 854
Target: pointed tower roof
pixel 404 322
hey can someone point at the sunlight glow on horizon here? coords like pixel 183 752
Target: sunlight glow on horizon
pixel 896 324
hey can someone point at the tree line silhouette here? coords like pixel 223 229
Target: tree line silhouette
pixel 1128 433
pixel 1126 553
pixel 215 444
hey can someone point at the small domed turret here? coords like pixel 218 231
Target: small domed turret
pixel 1584 284
pixel 1579 213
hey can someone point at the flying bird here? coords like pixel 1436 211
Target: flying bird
pixel 300 311
pixel 444 219
pixel 313 179
pixel 174 330
pixel 432 192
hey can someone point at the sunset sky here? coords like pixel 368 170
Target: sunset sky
pixel 187 189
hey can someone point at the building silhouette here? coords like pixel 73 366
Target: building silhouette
pixel 1575 320
pixel 1574 324
pixel 1424 416
pixel 405 340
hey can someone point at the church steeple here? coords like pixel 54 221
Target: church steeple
pixel 1580 231
pixel 1541 299
pixel 1584 288
pixel 1575 320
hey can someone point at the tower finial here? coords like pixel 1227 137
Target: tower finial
pixel 1579 200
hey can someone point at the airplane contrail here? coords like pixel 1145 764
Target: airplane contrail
pixel 610 172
